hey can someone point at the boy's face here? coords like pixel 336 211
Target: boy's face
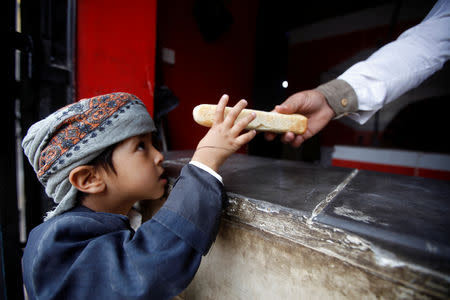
pixel 138 170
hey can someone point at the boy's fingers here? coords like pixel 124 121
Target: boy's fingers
pixel 246 137
pixel 239 126
pixel 220 108
pixel 234 112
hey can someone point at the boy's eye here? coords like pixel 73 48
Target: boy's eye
pixel 141 146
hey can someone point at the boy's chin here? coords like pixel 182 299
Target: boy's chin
pixel 161 193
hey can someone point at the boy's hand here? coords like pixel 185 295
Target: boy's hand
pixel 224 137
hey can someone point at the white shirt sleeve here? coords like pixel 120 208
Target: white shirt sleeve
pixel 207 169
pixel 402 64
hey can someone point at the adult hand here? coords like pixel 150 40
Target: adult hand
pixel 313 105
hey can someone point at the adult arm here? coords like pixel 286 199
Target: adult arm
pixel 368 85
pixel 394 69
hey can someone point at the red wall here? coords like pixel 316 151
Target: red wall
pixel 204 71
pixel 116 48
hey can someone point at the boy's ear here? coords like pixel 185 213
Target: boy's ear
pixel 87 180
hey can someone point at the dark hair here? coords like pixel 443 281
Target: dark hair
pixel 104 161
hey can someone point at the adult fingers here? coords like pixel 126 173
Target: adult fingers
pixel 288 137
pixel 270 136
pixel 292 104
pixel 293 140
pixel 299 139
pixel 220 108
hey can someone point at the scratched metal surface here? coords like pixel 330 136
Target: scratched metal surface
pixel 295 185
pixel 408 215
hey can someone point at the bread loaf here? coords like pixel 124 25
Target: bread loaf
pixel 264 121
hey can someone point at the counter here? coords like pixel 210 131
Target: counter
pixel 292 230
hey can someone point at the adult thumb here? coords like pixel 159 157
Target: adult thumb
pixel 292 104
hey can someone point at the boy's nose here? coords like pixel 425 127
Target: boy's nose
pixel 159 158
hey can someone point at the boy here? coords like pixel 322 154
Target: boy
pixel 96 159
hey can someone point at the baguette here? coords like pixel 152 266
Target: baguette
pixel 264 121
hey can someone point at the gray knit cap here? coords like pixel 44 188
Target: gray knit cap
pixel 75 135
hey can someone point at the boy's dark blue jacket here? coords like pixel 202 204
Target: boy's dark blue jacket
pixel 83 254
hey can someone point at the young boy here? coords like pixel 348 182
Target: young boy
pixel 96 159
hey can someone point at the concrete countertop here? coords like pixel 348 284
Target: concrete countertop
pixel 393 226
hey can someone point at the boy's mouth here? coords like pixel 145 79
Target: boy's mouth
pixel 163 177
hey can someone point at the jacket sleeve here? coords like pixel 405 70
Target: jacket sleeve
pixel 78 257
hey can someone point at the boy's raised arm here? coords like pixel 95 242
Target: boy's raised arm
pixel 225 136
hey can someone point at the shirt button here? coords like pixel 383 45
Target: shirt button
pixel 344 102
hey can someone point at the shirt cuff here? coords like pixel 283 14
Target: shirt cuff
pixel 340 96
pixel 207 169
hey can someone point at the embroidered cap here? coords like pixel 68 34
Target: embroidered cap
pixel 75 135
